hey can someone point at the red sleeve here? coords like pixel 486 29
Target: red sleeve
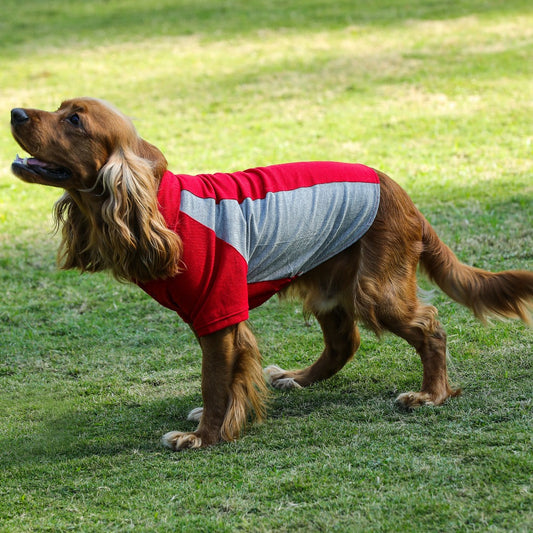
pixel 210 293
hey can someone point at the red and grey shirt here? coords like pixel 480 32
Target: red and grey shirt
pixel 246 235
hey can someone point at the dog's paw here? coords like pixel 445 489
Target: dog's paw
pixel 274 376
pixel 176 440
pixel 271 372
pixel 411 399
pixel 196 414
pixel 285 384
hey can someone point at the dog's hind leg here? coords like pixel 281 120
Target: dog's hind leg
pixel 421 329
pixel 341 338
pixel 393 305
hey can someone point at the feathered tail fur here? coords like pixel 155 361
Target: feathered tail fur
pixel 506 294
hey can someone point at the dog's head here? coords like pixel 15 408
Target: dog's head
pixel 70 147
pixel 109 211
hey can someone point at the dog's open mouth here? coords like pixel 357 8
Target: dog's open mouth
pixel 40 168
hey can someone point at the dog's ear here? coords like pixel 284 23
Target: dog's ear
pixel 153 154
pixel 138 245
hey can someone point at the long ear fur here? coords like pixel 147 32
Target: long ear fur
pixel 117 224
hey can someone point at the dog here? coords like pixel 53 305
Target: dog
pixel 343 238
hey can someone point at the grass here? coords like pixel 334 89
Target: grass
pixel 93 372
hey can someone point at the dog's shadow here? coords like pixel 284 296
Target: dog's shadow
pixel 105 429
pixel 109 429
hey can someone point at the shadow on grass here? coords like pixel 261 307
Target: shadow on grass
pixel 43 23
pixel 116 429
pixel 101 430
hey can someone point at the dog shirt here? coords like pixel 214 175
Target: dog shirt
pixel 246 235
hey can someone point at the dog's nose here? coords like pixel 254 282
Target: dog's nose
pixel 18 116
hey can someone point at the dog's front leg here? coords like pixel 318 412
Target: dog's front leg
pixel 232 389
pixel 219 355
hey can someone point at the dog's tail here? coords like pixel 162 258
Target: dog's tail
pixel 506 294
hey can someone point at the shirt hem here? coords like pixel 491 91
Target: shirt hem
pixel 219 324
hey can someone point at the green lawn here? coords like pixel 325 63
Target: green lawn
pixel 93 372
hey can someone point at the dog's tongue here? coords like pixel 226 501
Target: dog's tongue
pixel 30 161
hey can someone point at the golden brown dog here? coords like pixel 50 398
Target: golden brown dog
pixel 110 220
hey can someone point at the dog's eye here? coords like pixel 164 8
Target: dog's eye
pixel 74 119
